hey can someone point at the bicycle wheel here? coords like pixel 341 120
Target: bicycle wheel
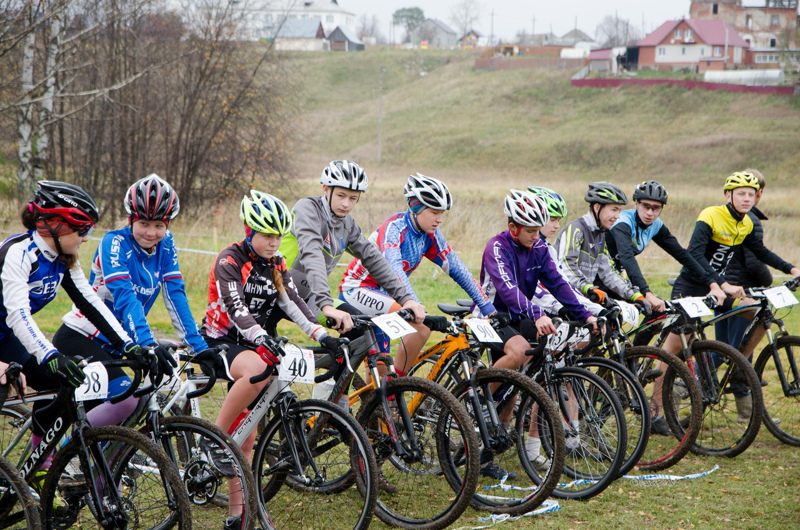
pixel 596 435
pixel 779 366
pixel 18 509
pixel 665 375
pixel 429 477
pixel 519 402
pixel 15 435
pixel 339 449
pixel 732 401
pixel 146 492
pixel 186 437
pixel 634 403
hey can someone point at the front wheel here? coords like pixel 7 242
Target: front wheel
pixel 779 366
pixel 18 509
pixel 732 402
pixel 145 491
pixel 429 467
pixel 317 490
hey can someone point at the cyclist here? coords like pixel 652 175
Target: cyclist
pixel 718 233
pixel 249 282
pixel 557 209
pixel 634 230
pixel 513 264
pixel 322 231
pixel 582 248
pixel 745 270
pixel 58 219
pixel 129 270
pixel 404 239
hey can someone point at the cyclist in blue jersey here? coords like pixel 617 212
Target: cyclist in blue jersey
pixel 130 268
pixel 32 267
pixel 404 239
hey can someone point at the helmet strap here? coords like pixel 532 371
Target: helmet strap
pixel 515 233
pixel 596 214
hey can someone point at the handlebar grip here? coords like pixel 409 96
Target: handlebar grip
pixel 263 375
pixel 205 389
pixel 330 373
pixel 594 340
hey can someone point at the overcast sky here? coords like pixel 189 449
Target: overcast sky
pixel 511 16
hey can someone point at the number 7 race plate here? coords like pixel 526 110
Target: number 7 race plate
pixel 780 296
pixel 297 366
pixel 95 386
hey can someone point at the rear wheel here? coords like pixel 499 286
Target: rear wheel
pixel 673 394
pixel 18 509
pixel 780 366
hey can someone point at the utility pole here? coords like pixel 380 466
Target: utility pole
pixel 380 112
pixel 533 27
pixel 491 38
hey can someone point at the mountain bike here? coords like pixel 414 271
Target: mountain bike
pixel 422 436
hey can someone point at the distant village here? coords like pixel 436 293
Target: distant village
pixel 717 35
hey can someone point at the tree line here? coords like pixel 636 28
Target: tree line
pixel 103 92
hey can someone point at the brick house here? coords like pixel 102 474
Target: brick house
pixel 770 29
pixel 698 45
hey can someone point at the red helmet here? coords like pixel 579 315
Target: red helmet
pixel 69 201
pixel 152 199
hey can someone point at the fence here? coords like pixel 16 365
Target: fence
pixel 702 85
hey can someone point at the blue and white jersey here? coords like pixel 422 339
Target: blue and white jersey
pixel 30 275
pixel 640 237
pixel 129 280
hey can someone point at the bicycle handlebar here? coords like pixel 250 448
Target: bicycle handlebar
pixel 12 378
pixel 270 367
pixel 336 366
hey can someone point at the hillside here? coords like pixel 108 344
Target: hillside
pixel 483 132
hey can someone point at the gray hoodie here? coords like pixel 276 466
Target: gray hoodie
pixel 321 239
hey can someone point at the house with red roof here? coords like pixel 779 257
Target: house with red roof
pixel 698 45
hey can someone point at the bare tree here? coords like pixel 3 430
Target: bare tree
pixel 614 31
pixel 465 14
pixel 370 27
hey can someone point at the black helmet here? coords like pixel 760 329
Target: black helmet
pixel 67 200
pixel 152 199
pixel 605 193
pixel 650 190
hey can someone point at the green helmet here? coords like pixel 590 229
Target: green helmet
pixel 605 193
pixel 556 206
pixel 266 214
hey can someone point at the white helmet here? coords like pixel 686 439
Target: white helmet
pixel 431 192
pixel 344 174
pixel 526 209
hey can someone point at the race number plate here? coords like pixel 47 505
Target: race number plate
pixel 629 312
pixel 780 296
pixel 695 307
pixel 556 341
pixel 393 325
pixel 483 330
pixel 297 366
pixel 95 386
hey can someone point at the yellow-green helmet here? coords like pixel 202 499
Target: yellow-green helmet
pixel 266 214
pixel 556 206
pixel 741 179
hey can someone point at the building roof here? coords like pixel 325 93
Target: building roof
pixel 711 32
pixel 600 55
pixel 444 27
pixel 475 32
pixel 576 35
pixel 300 28
pixel 347 33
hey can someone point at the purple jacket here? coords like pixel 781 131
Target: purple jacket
pixel 510 273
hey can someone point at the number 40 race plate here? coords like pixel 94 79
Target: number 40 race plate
pixel 297 366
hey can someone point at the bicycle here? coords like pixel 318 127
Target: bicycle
pixel 305 449
pixel 492 396
pixel 192 443
pixel 777 364
pixel 85 487
pixel 720 371
pixel 638 361
pixel 18 507
pixel 592 414
pixel 421 435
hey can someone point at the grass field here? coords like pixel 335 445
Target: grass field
pixel 483 133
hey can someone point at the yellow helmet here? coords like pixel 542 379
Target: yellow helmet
pixel 741 179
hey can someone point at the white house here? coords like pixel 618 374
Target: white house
pixel 262 18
